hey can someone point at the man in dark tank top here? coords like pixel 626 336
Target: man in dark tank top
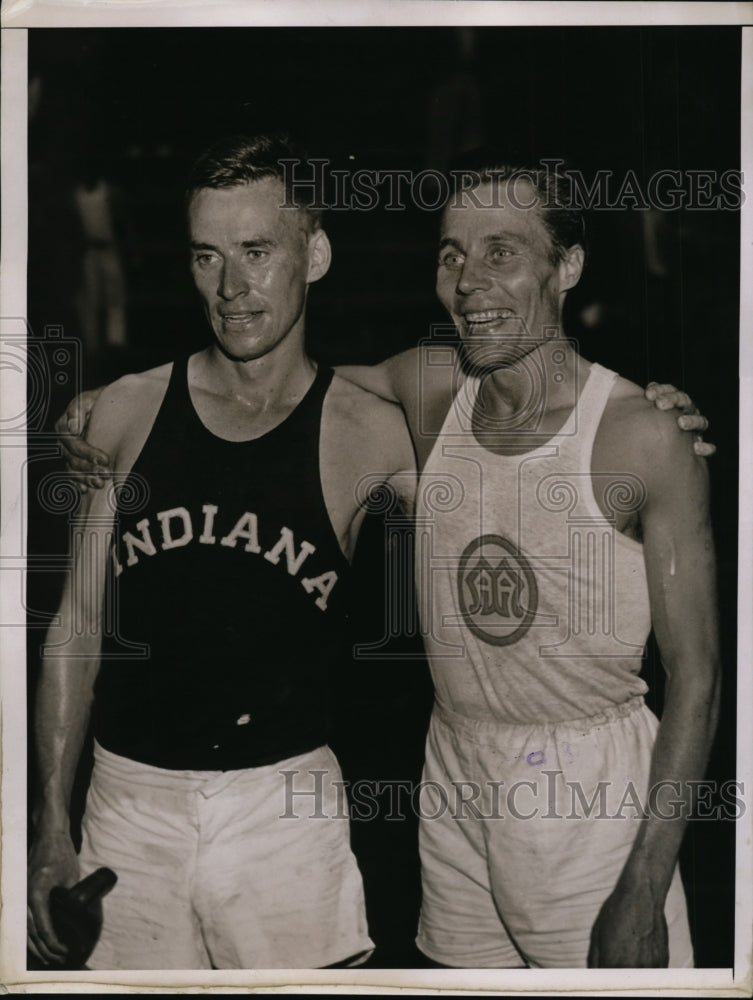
pixel 211 586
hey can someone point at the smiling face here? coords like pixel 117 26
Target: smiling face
pixel 252 262
pixel 496 276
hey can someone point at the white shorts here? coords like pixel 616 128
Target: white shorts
pixel 516 876
pixel 231 870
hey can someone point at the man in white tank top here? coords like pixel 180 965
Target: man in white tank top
pixel 559 517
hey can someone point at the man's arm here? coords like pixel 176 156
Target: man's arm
pixel 397 381
pixel 630 930
pixel 378 379
pixel 70 664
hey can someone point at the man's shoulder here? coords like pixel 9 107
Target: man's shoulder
pixel 367 426
pixel 425 381
pixel 635 430
pixel 124 404
pixel 134 385
pixel 356 405
pixel 435 366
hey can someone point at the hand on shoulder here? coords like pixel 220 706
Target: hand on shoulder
pixel 647 441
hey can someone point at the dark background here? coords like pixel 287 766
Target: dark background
pixel 141 103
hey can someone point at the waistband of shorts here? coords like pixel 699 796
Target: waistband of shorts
pixel 491 730
pixel 135 772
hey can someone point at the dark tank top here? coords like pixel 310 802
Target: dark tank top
pixel 226 595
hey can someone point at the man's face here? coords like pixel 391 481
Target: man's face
pixel 495 274
pixel 252 261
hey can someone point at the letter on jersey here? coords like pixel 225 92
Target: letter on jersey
pixel 144 544
pixel 165 517
pixel 247 527
pixel 286 542
pixel 323 584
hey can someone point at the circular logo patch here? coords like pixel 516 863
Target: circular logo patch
pixel 497 590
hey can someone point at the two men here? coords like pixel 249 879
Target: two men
pixel 487 588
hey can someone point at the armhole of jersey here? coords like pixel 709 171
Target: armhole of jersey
pixel 319 482
pixel 127 472
pixel 588 453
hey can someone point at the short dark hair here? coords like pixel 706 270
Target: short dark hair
pixel 243 159
pixel 563 218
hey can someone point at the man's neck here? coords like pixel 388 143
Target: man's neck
pixel 547 379
pixel 282 375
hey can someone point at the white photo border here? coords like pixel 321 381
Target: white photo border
pixel 17 17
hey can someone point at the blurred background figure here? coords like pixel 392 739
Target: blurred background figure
pixel 455 114
pixel 55 240
pixel 101 295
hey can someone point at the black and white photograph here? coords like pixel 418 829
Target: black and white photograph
pixel 373 574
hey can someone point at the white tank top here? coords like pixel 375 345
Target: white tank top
pixel 534 607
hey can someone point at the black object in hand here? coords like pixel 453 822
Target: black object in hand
pixel 77 915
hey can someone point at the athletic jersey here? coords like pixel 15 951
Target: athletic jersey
pixel 533 606
pixel 226 595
